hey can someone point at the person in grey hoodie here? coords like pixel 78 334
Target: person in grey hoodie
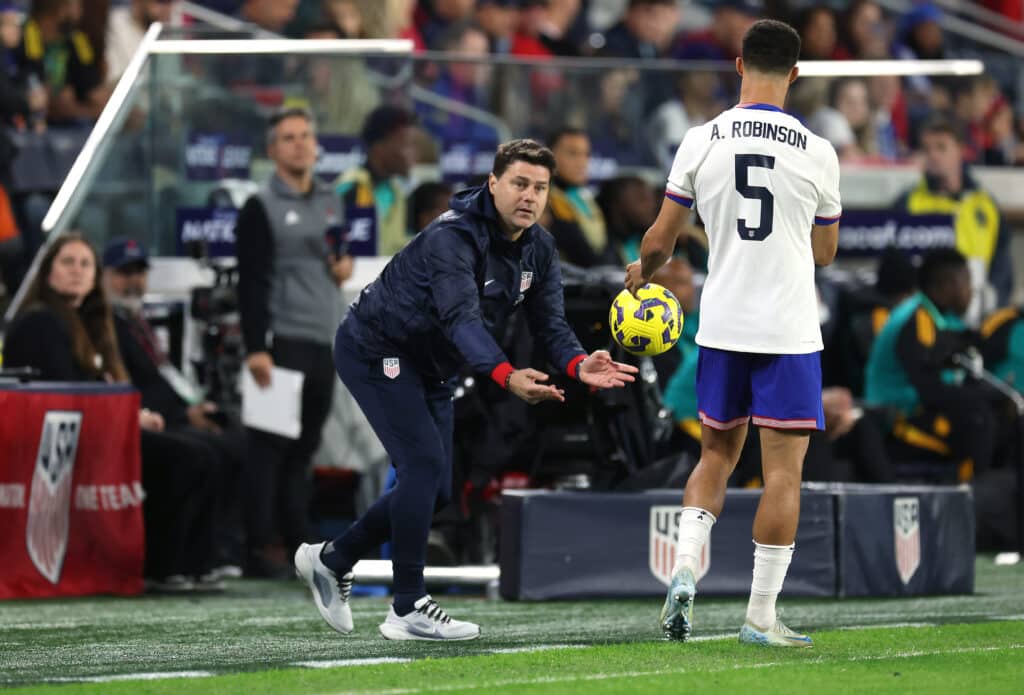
pixel 289 274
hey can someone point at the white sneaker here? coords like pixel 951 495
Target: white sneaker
pixel 778 635
pixel 427 622
pixel 330 592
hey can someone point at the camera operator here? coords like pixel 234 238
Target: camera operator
pixel 289 275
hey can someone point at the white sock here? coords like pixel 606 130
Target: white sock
pixel 694 528
pixel 770 565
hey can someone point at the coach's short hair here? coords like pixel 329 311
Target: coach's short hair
pixel 937 265
pixel 283 115
pixel 524 150
pixel 771 46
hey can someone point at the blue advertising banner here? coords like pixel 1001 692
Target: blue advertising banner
pixel 214 226
pixel 338 154
pixel 869 232
pixel 215 156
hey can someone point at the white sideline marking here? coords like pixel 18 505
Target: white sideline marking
pixel 538 648
pixel 370 661
pixel 133 677
pixel 882 626
pixel 668 672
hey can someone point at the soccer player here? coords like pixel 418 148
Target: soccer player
pixel 435 307
pixel 768 192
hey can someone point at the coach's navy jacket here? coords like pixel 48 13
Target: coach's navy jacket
pixel 439 301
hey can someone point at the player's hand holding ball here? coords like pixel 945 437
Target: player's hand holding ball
pixel 635 277
pixel 647 321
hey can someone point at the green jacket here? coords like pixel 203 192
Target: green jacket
pixel 906 367
pixel 680 394
pixel 1002 346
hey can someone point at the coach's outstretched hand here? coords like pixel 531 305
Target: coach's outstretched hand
pixel 524 383
pixel 601 371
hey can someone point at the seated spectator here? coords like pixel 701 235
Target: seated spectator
pixel 988 121
pixel 629 207
pixel 64 330
pixel 166 391
pixel 724 38
pixel 648 29
pixel 947 187
pixel 546 28
pixel 499 19
pixel 816 99
pixel 696 102
pixel 269 15
pixel 910 373
pixel 819 38
pixel 864 33
pixel 849 97
pixel 63 60
pixel 435 18
pixel 337 90
pixel 889 117
pixel 615 122
pixel 466 82
pixel 427 202
pixel 125 28
pixel 576 221
pixel 375 192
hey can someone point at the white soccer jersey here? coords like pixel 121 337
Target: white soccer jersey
pixel 759 180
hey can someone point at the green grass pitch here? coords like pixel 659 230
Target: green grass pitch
pixel 266 637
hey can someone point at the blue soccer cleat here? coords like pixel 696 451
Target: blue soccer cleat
pixel 777 636
pixel 677 613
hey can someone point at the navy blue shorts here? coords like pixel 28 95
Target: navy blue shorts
pixel 777 391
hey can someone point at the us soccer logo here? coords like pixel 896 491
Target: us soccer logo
pixel 391 367
pixel 49 506
pixel 664 534
pixel 906 522
pixel 525 280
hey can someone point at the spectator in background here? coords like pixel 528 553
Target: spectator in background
pixel 696 102
pixel 64 330
pixel 947 187
pixel 988 121
pixel 889 117
pixel 724 38
pixel 125 29
pixel 376 192
pixel 629 207
pixel 545 28
pixel 813 98
pixel 56 54
pixel 864 33
pixel 338 89
pixel 345 17
pixel 819 37
pixel 435 18
pixel 576 221
pixel 849 97
pixel 270 15
pixel 646 30
pixel 615 122
pixel 908 371
pixel 466 82
pixel 288 280
pixel 499 19
pixel 426 203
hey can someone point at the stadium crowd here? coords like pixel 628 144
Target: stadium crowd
pixel 902 400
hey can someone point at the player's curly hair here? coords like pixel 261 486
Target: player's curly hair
pixel 523 150
pixel 770 46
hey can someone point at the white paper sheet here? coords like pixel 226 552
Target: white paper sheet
pixel 276 409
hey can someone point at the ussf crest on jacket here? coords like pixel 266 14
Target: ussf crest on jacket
pixel 49 506
pixel 392 368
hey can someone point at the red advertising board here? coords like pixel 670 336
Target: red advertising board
pixel 70 490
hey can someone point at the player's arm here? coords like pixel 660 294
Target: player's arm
pixel 658 244
pixel 660 240
pixel 825 233
pixel 824 242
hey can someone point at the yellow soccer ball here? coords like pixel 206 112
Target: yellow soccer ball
pixel 648 324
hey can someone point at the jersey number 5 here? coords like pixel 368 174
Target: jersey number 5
pixel 743 164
